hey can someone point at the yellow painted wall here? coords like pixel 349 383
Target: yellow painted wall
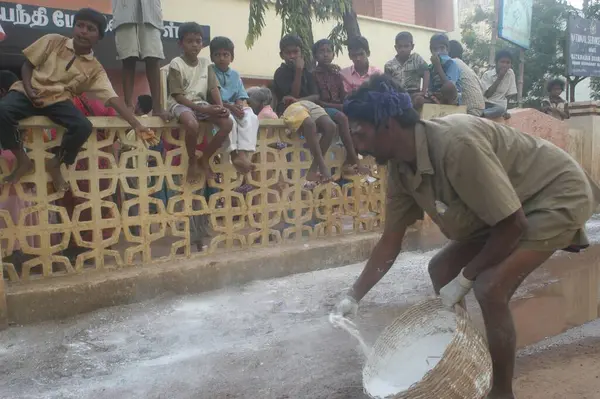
pixel 230 18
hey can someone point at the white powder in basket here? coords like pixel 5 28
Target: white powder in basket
pixel 408 366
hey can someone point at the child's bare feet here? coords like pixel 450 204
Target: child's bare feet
pixel 24 166
pixel 318 177
pixel 506 115
pixel 194 173
pixel 241 163
pixel 53 169
pixel 204 165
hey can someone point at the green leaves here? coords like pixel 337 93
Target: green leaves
pixel 296 17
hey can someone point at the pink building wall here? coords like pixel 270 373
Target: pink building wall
pixel 437 14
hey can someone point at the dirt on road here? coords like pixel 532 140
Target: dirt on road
pixel 267 339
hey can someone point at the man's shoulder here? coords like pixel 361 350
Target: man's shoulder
pixel 393 63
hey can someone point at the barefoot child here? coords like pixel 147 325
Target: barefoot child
pixel 191 82
pixel 296 93
pixel 233 94
pixel 55 70
pixel 331 96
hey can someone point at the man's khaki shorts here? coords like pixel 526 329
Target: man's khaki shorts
pixel 139 41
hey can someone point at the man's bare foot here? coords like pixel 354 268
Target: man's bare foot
pixel 24 167
pixel 53 169
pixel 241 163
pixel 204 165
pixel 194 173
pixel 318 177
pixel 506 115
pixel 349 170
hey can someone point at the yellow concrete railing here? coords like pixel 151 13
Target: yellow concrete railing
pixel 116 218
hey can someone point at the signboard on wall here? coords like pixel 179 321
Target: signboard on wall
pixel 583 47
pixel 25 23
pixel 514 24
pixel 55 20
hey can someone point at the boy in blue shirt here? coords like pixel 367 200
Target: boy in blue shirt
pixel 444 85
pixel 242 139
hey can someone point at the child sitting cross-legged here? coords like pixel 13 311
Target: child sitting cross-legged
pixel 242 140
pixel 191 81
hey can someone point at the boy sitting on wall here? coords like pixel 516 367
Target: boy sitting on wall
pixel 57 69
pixel 297 93
pixel 361 70
pixel 499 85
pixel 444 86
pixel 242 140
pixel 191 82
pixel 331 96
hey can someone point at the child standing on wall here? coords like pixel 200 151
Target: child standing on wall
pixel 56 69
pixel 242 140
pixel 408 69
pixel 499 85
pixel 331 96
pixel 191 82
pixel 297 93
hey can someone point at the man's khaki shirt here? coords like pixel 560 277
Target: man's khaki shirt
pixel 472 173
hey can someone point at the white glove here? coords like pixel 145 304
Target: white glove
pixel 346 307
pixel 454 292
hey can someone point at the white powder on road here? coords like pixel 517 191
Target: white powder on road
pixel 408 366
pixel 350 328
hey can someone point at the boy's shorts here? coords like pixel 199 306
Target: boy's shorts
pixel 295 115
pixel 179 109
pixel 139 41
pixel 332 112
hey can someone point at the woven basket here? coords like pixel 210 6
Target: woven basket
pixel 465 370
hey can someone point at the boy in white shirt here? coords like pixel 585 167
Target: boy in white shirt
pixel 191 83
pixel 499 84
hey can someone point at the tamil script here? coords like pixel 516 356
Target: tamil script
pixel 57 19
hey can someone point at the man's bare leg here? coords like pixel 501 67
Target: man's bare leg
pixel 224 126
pixel 58 180
pixel 153 76
pixel 493 290
pixel 24 166
pixel 319 148
pixel 188 120
pixel 129 80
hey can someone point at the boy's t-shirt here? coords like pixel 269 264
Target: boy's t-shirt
pixel 194 82
pixel 282 84
pixel 452 72
pixel 230 85
pixel 59 74
pixel 407 74
pixel 506 88
pixel 330 83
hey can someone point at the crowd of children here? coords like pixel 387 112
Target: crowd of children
pixel 309 98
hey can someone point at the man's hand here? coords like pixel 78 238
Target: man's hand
pixel 32 94
pixel 456 290
pixel 299 63
pixel 216 111
pixel 147 135
pixel 236 110
pixel 348 306
pixel 435 60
